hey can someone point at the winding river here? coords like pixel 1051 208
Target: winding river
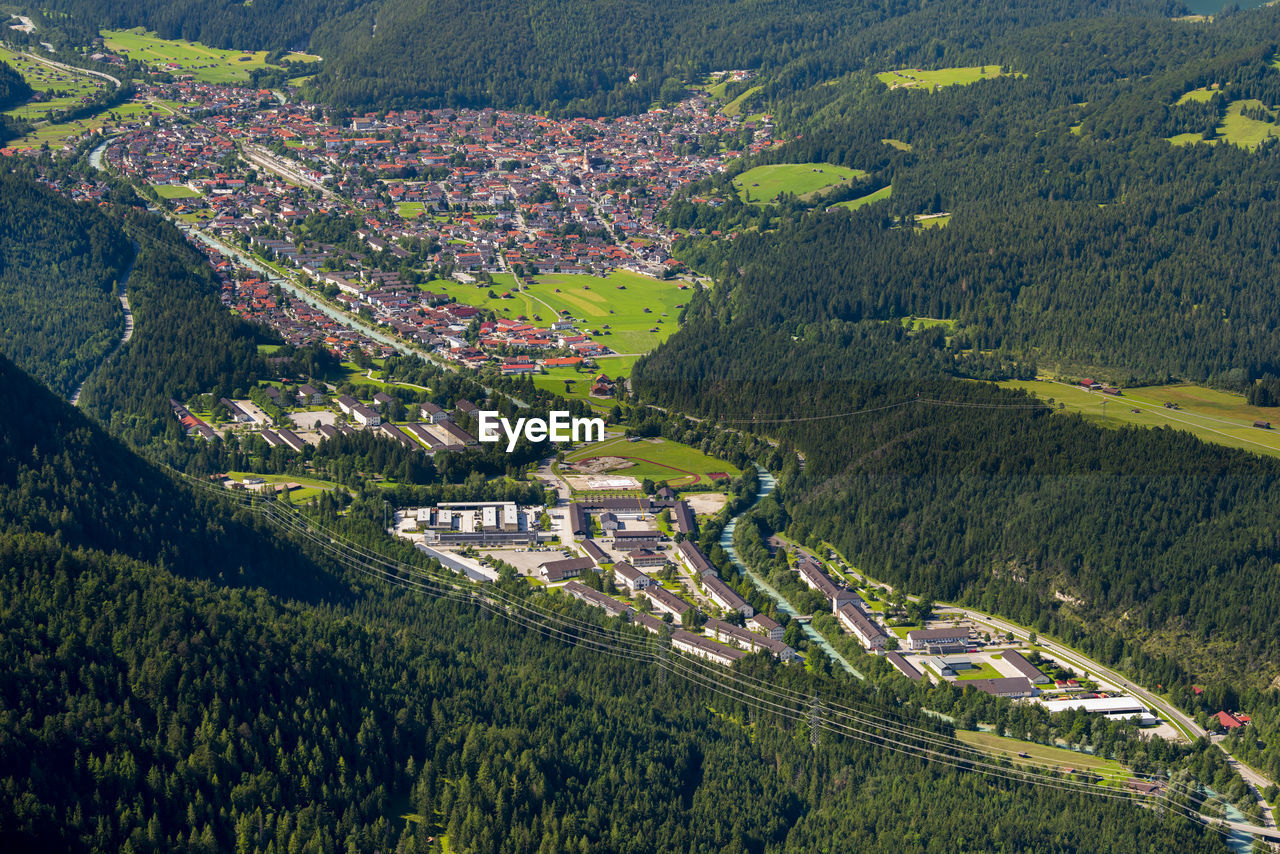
pixel 767 484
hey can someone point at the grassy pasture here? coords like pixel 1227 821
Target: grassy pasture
pixel 1197 95
pixel 1213 416
pixel 766 183
pixel 589 299
pixel 916 78
pixel 734 107
pixel 1039 754
pixel 62 90
pixel 207 64
pixel 57 134
pixel 898 144
pixel 1236 128
pixel 863 201
pixel 612 366
pixel 657 459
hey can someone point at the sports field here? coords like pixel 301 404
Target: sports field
pixel 617 301
pixel 175 191
pixel 1214 416
pixel 917 78
pixel 657 459
pixel 1043 756
pixel 207 64
pixel 863 201
pixel 764 184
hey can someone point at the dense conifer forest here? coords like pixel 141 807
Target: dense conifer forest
pixel 188 677
pixel 200 684
pixel 577 57
pixel 59 265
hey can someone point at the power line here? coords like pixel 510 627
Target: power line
pixel 844 721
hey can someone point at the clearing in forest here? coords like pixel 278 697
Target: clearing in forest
pixel 1246 131
pixel 764 184
pixel 930 79
pixel 1212 415
pixel 206 64
pixel 854 204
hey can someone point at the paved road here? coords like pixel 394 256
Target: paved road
pixel 128 326
pixel 72 69
pixel 1256 781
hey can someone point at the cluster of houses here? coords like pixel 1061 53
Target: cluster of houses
pixel 460 192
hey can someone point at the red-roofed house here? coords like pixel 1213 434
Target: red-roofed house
pixel 1230 721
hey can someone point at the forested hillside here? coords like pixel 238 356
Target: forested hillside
pixel 1080 239
pixel 185 342
pixel 155 706
pixel 577 57
pixel 13 89
pixel 59 264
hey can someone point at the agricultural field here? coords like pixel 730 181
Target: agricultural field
pixel 764 184
pixel 863 201
pixel 207 64
pixel 1236 128
pixel 59 90
pixel 1213 416
pixel 657 459
pixel 1043 755
pixel 915 78
pixel 618 300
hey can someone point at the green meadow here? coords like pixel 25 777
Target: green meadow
pixel 58 89
pixel 1236 128
pixel 916 78
pixel 617 301
pixel 1042 755
pixel 764 184
pixel 1213 416
pixel 207 64
pixel 734 107
pixel 854 204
